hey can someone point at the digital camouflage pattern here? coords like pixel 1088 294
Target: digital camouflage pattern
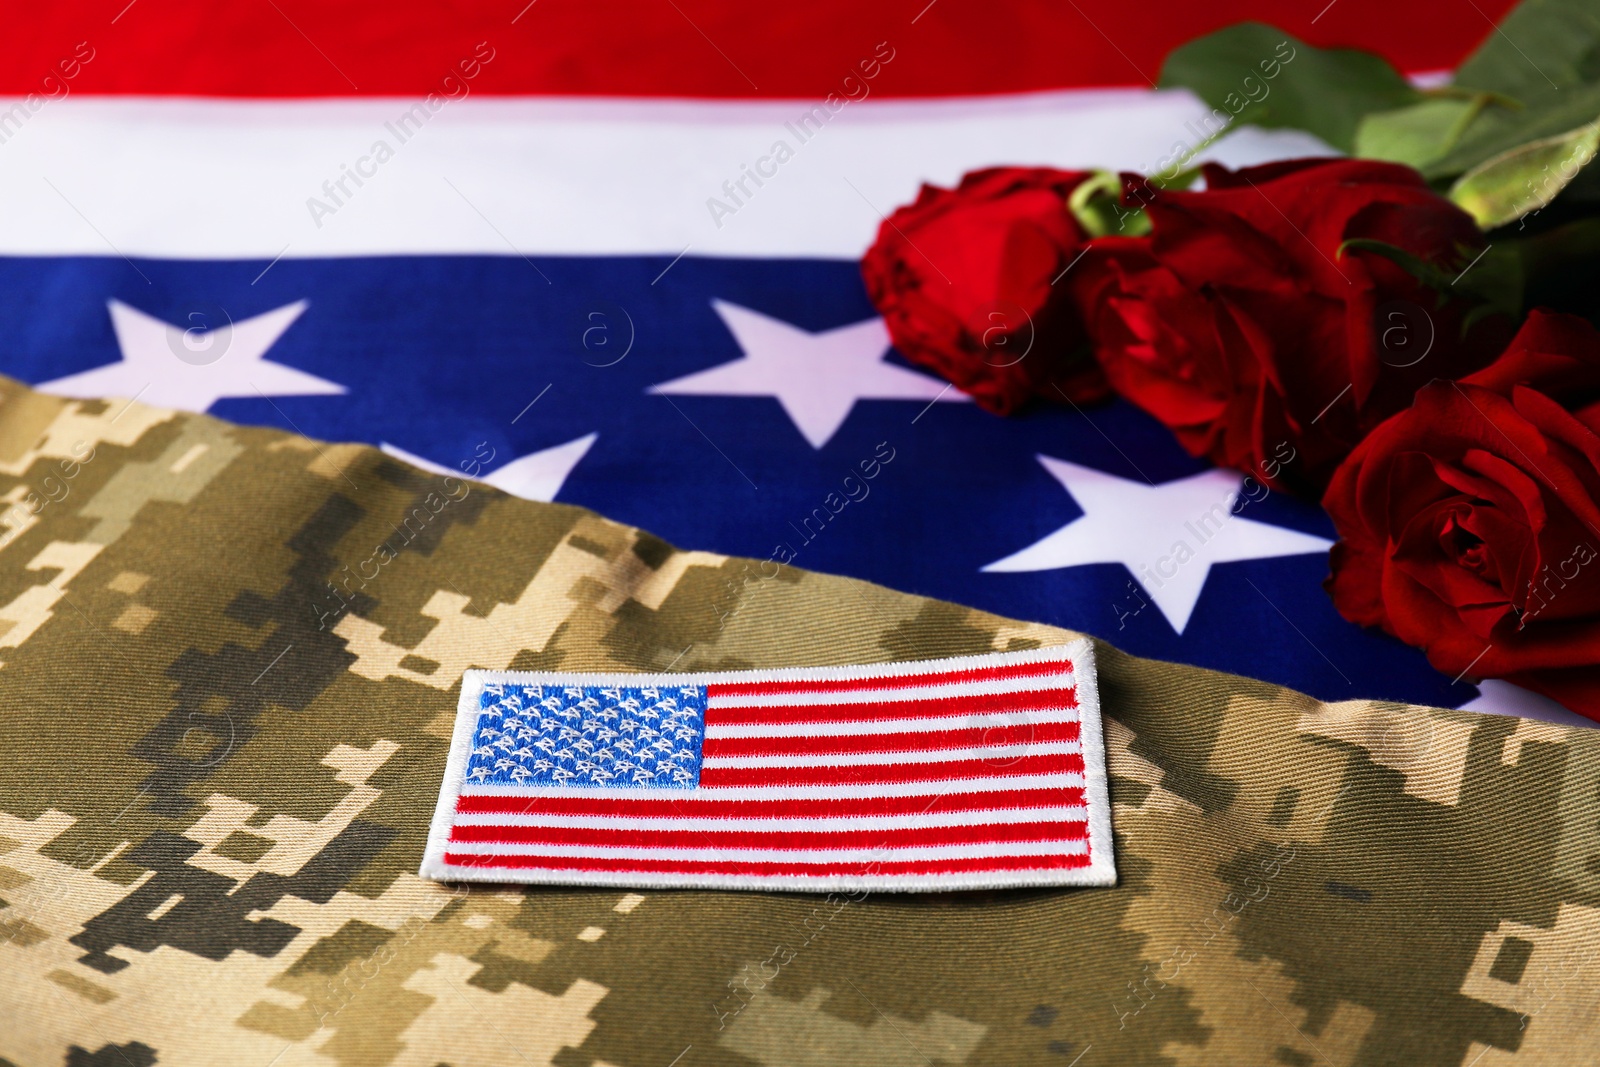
pixel 227 666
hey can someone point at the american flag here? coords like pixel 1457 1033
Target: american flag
pixel 522 242
pixel 972 772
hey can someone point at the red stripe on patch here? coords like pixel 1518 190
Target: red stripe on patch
pixel 903 681
pixel 770 809
pixel 923 741
pixel 871 711
pixel 875 867
pixel 644 837
pixel 723 777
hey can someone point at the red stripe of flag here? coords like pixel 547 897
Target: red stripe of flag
pixel 632 48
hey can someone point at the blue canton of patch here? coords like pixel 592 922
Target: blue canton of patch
pixel 589 736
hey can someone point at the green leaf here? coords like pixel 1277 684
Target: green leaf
pixel 1492 278
pixel 1499 130
pixel 1540 48
pixel 1429 274
pixel 1418 134
pixel 1545 55
pixel 1257 74
pixel 1526 178
pixel 1558 263
pixel 1555 252
pixel 1497 279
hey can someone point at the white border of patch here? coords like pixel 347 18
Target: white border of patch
pixel 1101 870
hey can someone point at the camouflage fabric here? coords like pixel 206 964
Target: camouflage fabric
pixel 227 663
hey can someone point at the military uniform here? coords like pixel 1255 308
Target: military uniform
pixel 228 665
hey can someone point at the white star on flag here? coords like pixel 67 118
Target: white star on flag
pixel 817 377
pixel 174 367
pixel 1168 535
pixel 1496 697
pixel 536 476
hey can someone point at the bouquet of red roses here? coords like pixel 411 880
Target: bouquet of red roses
pixel 1403 331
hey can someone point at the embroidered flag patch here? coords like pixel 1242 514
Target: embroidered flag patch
pixel 965 773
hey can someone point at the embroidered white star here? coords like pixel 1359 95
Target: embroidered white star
pixel 1168 536
pixel 536 476
pixel 191 369
pixel 817 377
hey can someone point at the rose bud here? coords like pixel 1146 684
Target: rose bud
pixel 1246 324
pixel 965 277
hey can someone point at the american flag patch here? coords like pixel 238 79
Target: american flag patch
pixel 965 773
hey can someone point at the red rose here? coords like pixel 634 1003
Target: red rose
pixel 1245 325
pixel 964 280
pixel 1470 523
